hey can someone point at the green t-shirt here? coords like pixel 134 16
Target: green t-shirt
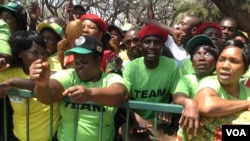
pixel 212 127
pixel 151 85
pixel 4 37
pixel 187 67
pixel 88 120
pixel 245 76
pixel 187 85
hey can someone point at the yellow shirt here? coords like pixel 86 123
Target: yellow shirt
pixel 55 65
pixel 123 55
pixel 39 114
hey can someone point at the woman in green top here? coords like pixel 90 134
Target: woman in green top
pixel 85 82
pixel 203 55
pixel 223 99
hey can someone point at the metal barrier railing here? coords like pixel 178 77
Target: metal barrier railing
pixel 157 107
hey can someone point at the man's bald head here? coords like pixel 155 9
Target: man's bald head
pixel 195 20
pixel 188 24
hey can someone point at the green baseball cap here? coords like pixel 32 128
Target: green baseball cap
pixel 14 7
pixel 240 32
pixel 198 40
pixel 4 37
pixel 85 45
pixel 54 26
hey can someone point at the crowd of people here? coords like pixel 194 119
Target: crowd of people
pixel 201 65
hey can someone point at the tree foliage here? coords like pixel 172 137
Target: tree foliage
pixel 167 11
pixel 204 9
pixel 238 9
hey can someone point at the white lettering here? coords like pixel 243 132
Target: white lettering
pixel 236 132
pixel 242 132
pixel 229 132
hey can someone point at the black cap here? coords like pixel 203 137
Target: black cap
pixel 86 45
pixel 113 27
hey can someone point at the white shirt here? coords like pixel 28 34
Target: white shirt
pixel 179 52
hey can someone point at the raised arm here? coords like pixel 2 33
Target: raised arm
pixel 211 105
pixel 47 90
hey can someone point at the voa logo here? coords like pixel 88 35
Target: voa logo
pixel 236 132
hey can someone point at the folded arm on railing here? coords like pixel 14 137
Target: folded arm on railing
pixel 131 104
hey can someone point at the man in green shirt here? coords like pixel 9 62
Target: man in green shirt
pixel 153 77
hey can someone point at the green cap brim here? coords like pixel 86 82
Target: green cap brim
pixel 2 7
pixel 78 50
pixel 194 42
pixel 243 34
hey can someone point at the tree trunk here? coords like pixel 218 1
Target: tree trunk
pixel 150 12
pixel 237 9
